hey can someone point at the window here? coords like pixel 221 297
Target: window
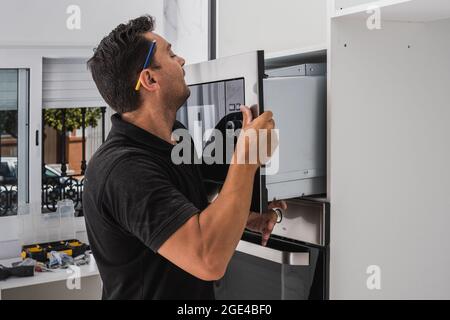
pixel 56 171
pixel 74 125
pixel 71 136
pixel 14 104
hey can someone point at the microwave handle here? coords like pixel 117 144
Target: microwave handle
pixel 277 256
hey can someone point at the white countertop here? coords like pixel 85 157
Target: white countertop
pixel 45 277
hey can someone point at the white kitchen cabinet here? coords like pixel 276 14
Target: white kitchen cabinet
pixel 344 4
pixel 388 148
pixel 389 113
pixel 269 25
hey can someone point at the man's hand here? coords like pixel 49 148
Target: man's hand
pixel 256 142
pixel 264 223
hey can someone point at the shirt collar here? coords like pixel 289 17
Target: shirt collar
pixel 142 137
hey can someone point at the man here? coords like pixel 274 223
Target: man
pixel 151 229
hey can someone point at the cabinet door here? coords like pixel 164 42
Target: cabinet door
pixel 390 155
pixel 218 88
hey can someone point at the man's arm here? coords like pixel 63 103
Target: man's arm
pixel 204 245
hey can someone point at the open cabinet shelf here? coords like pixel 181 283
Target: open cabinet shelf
pixel 399 10
pixel 316 54
pixel 298 99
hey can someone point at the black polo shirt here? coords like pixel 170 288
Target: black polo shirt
pixel 134 199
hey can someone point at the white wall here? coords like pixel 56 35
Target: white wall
pixel 186 27
pixel 43 22
pixel 270 25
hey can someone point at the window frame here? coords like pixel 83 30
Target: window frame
pixel 9 226
pixel 31 58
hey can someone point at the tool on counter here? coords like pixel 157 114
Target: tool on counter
pixel 19 271
pixel 59 260
pixel 42 252
pixel 44 257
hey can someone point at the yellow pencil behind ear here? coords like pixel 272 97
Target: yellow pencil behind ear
pixel 138 85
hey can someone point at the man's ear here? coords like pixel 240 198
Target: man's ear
pixel 148 81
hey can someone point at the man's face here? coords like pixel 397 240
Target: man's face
pixel 169 73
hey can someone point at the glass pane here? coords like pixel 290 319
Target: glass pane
pixel 71 136
pixel 13 139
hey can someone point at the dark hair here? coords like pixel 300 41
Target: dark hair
pixel 117 62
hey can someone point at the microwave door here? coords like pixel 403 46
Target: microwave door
pixel 218 89
pixel 209 122
pixel 195 117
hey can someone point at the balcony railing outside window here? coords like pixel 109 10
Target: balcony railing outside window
pixel 70 136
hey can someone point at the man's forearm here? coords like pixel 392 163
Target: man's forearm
pixel 224 221
pixel 204 244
